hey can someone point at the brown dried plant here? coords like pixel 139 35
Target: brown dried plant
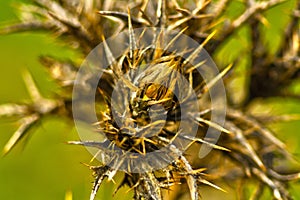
pixel 246 150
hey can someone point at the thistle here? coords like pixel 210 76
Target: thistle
pixel 152 99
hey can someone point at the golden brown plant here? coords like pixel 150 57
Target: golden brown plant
pixel 151 75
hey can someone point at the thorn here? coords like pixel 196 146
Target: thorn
pixel 197 50
pixel 212 185
pixel 211 83
pixel 31 87
pixel 175 38
pixel 123 17
pixel 160 13
pixel 95 156
pixel 75 142
pixel 208 143
pixel 85 164
pixel 109 56
pixel 214 125
pixel 132 42
pixel 26 124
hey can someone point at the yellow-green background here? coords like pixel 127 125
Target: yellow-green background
pixel 43 167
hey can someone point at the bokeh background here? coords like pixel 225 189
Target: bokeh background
pixel 44 167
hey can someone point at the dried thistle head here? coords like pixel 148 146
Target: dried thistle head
pixel 155 96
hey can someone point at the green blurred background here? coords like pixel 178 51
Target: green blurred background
pixel 47 168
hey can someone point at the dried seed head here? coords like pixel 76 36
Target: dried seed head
pixel 152 102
